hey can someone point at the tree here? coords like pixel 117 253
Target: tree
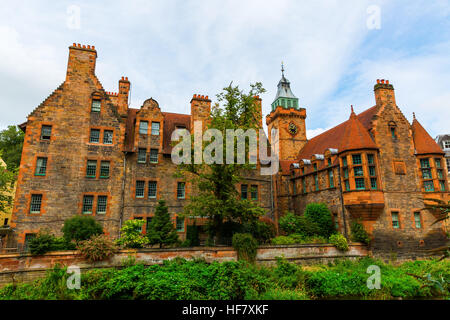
pixel 11 142
pixel 7 179
pixel 216 196
pixel 81 228
pixel 321 215
pixel 162 231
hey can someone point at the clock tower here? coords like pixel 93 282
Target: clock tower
pixel 289 119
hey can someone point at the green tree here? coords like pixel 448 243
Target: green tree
pixel 11 142
pixel 321 215
pixel 162 231
pixel 216 196
pixel 7 179
pixel 81 228
pixel 131 234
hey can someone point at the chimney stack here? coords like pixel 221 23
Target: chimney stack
pixel 200 110
pixel 124 89
pixel 384 92
pixel 81 63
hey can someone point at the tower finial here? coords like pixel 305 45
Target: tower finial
pixel 352 109
pixel 282 68
pixel 414 115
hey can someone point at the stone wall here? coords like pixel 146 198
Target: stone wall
pixel 26 268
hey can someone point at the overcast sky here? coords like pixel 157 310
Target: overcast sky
pixel 333 52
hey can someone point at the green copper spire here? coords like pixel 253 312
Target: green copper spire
pixel 285 97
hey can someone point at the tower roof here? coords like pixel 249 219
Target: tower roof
pixel 284 87
pixel 423 142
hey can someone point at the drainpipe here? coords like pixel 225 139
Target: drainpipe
pixel 123 190
pixel 342 202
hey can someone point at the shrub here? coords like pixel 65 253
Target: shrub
pixel 97 248
pixel 42 243
pixel 321 215
pixel 61 244
pixel 81 228
pixel 162 231
pixel 298 239
pixel 339 241
pixel 289 223
pixel 358 232
pixel 245 245
pixel 262 230
pixel 294 224
pixel 192 236
pixel 131 236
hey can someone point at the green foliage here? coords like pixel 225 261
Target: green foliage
pixel 97 248
pixel 80 228
pixel 298 239
pixel 131 235
pixel 359 234
pixel 162 231
pixel 339 241
pixel 11 142
pixel 262 230
pixel 45 242
pixel 321 215
pixel 192 235
pixel 217 198
pixel 294 224
pixel 7 180
pixel 245 245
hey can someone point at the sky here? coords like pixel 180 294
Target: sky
pixel 333 52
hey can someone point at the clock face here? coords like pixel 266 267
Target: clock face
pixel 292 128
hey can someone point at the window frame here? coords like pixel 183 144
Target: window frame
pixel 87 168
pixel 46 137
pixel 99 106
pixel 105 135
pixel 90 135
pixel 155 189
pixel 38 168
pixel 102 162
pixel 88 196
pixel 101 204
pixel 152 154
pixel 136 189
pixel 38 196
pixel 142 151
pixel 183 196
pixel 141 130
pixel 153 130
pixel 397 219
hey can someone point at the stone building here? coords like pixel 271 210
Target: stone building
pixel 375 168
pixel 444 142
pixel 86 152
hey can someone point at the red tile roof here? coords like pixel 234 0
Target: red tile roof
pixel 423 142
pixel 349 135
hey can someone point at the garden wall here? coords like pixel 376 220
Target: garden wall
pixel 25 267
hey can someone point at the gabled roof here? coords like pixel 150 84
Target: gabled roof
pixel 423 142
pixel 349 135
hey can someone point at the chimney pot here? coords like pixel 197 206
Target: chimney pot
pixel 206 97
pixel 382 81
pixel 378 81
pixel 126 78
pixel 84 46
pixel 387 81
pixel 93 47
pixel 74 44
pixel 88 46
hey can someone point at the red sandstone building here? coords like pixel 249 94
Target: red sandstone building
pixel 87 152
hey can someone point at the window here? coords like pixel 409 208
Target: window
pixel 329 161
pixel 95 107
pixel 41 166
pixel 180 224
pixel 372 171
pixel 152 185
pixel 181 190
pixel 346 173
pixel 143 127
pixel 141 228
pixel 140 186
pixel 316 182
pixel 95 136
pixel 446 144
pixel 155 128
pixel 142 155
pixel 331 178
pixel 448 164
pixel 358 171
pixel 393 133
pixel 417 220
pixel 254 192
pixel 356 159
pixel 102 202
pixel 429 186
pixel 315 166
pixel 28 238
pixel 440 174
pixel 395 221
pixel 425 163
pixel 359 184
pixel 442 185
pixel 347 185
pixel 46 132
pixel 426 174
pixel 373 183
pixel 437 161
pixel 244 194
pixel 36 202
pixel 370 159
pixel 87 204
pixel 91 168
pixel 153 155
pixel 5 222
pixel 147 227
pixel 108 137
pixel 104 169
pixel 344 161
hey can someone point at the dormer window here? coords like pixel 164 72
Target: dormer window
pixel 446 144
pixel 96 105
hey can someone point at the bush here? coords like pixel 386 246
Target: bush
pixel 294 224
pixel 358 232
pixel 192 236
pixel 262 230
pixel 81 228
pixel 321 215
pixel 245 245
pixel 162 231
pixel 339 241
pixel 131 236
pixel 97 248
pixel 298 239
pixel 45 242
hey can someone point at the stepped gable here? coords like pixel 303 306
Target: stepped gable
pixel 423 142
